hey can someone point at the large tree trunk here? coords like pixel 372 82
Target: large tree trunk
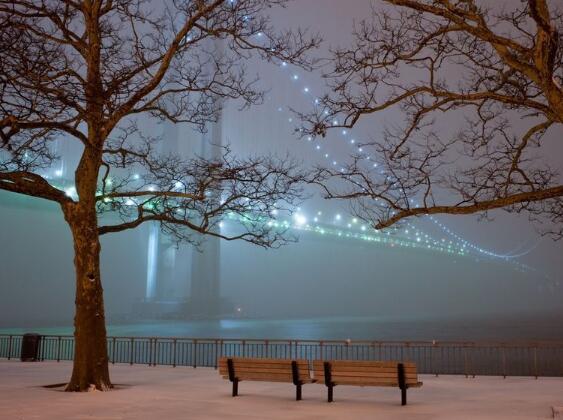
pixel 90 367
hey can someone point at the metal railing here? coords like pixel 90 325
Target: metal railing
pixel 431 357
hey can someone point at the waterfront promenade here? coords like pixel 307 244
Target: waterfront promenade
pixel 168 393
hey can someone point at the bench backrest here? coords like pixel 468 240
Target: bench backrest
pixel 271 370
pixel 352 372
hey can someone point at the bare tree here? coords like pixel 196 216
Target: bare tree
pixel 82 71
pixel 495 74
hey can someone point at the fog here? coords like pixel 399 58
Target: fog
pixel 322 276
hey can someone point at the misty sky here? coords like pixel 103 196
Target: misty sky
pixel 315 263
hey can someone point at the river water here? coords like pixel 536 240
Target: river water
pixel 505 329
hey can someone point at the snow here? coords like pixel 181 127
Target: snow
pixel 166 393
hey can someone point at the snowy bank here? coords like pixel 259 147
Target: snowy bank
pixel 168 393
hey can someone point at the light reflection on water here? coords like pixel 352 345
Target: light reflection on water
pixel 338 328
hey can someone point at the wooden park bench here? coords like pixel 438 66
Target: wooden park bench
pixel 366 373
pixel 237 369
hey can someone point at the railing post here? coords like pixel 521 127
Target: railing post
pixel 113 343
pixel 10 347
pixel 536 362
pixel 503 361
pixel 433 354
pixel 174 353
pixel 155 354
pixel 215 362
pixel 59 348
pixel 465 370
pixel 194 354
pixel 132 345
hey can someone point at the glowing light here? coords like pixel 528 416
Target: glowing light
pixel 300 220
pixel 71 192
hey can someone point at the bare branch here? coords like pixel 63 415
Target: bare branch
pixel 475 67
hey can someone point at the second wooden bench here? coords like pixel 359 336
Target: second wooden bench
pixel 366 373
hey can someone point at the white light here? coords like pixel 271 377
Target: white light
pixel 306 90
pixel 352 141
pixel 300 220
pixel 59 172
pixel 316 219
pixel 284 64
pixel 178 184
pixel 130 202
pixel 295 77
pixel 151 188
pixel 318 147
pixel 71 192
pixel 344 132
pixel 136 176
pixel 338 217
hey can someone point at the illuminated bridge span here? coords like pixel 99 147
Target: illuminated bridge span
pixel 254 134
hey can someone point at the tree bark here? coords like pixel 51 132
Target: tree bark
pixel 90 368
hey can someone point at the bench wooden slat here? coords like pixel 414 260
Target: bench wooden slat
pixel 364 364
pixel 378 363
pixel 248 375
pixel 269 378
pixel 368 375
pixel 223 360
pixel 366 369
pixel 259 369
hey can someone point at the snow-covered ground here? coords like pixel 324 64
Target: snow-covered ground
pixel 166 393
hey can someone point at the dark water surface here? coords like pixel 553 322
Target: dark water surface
pixel 506 329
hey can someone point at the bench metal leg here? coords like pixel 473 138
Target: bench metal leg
pixel 235 387
pixel 402 382
pixel 298 392
pixel 330 388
